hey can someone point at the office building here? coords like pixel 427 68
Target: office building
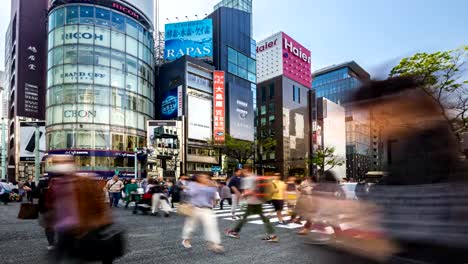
pixel 338 83
pixel 25 63
pixel 284 105
pixel 186 94
pixel 100 83
pixel 243 5
pixel 234 53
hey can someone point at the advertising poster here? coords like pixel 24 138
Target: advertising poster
pixel 193 38
pixel 28 140
pixel 199 119
pixel 163 132
pixel 241 113
pixel 170 105
pixel 219 127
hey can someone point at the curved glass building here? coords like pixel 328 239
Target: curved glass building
pixel 99 84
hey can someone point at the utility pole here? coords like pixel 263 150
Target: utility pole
pixel 37 162
pixel 136 162
pixel 4 147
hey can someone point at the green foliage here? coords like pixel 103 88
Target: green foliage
pixel 240 150
pixel 326 159
pixel 441 73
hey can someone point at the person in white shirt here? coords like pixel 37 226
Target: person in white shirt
pixel 114 187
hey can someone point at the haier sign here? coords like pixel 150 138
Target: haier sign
pixel 194 38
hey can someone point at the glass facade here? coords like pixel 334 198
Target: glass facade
pixel 241 65
pixel 338 86
pixel 100 83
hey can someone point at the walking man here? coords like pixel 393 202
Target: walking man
pixel 114 187
pixel 235 186
pixel 254 207
pixel 225 194
pixel 279 189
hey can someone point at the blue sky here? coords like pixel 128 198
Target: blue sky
pixel 374 33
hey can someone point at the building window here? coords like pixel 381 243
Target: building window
pixel 272 90
pixel 296 94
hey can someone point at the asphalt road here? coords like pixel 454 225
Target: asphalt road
pixel 157 240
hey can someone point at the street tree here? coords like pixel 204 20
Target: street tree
pixel 442 78
pixel 326 159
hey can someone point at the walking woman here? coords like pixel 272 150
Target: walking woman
pixel 202 193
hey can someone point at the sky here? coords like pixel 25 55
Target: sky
pixel 374 33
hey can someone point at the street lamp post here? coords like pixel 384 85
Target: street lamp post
pixel 136 162
pixel 3 150
pixel 37 162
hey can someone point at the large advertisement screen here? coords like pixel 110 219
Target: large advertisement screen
pixel 199 118
pixel 193 38
pixel 171 102
pixel 297 64
pixel 28 146
pixel 241 113
pixel 219 106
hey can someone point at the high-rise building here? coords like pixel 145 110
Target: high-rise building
pixel 100 84
pixel 338 83
pixel 234 53
pixel 243 5
pixel 25 63
pixel 3 95
pixel 284 105
pixel 185 90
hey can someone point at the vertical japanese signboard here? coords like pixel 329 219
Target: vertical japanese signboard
pixel 32 59
pixel 219 128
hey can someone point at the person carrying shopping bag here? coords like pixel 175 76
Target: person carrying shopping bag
pixel 202 194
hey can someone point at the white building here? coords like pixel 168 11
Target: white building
pixel 332 127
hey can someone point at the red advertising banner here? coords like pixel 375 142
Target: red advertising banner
pixel 219 128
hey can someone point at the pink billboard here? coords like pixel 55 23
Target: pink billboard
pixel 297 64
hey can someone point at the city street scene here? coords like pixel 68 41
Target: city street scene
pixel 234 131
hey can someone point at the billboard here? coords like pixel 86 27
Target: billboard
pixel 166 132
pixel 241 113
pixel 193 38
pixel 28 140
pixel 297 64
pixel 171 105
pixel 199 118
pixel 32 60
pixel 219 129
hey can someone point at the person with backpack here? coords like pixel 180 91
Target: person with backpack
pixel 256 190
pixel 5 191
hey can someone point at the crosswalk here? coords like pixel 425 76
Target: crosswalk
pixel 268 211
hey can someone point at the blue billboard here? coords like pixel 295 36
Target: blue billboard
pixel 193 38
pixel 170 104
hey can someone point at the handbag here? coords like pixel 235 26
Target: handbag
pixel 185 209
pixel 105 243
pixel 28 211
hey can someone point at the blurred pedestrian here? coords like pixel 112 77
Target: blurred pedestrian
pixel 114 187
pixel 29 187
pixel 225 195
pixel 5 191
pixel 159 198
pixel 202 193
pixel 79 210
pixel 305 205
pixel 279 190
pixel 254 207
pixel 46 212
pixel 236 191
pixel 291 195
